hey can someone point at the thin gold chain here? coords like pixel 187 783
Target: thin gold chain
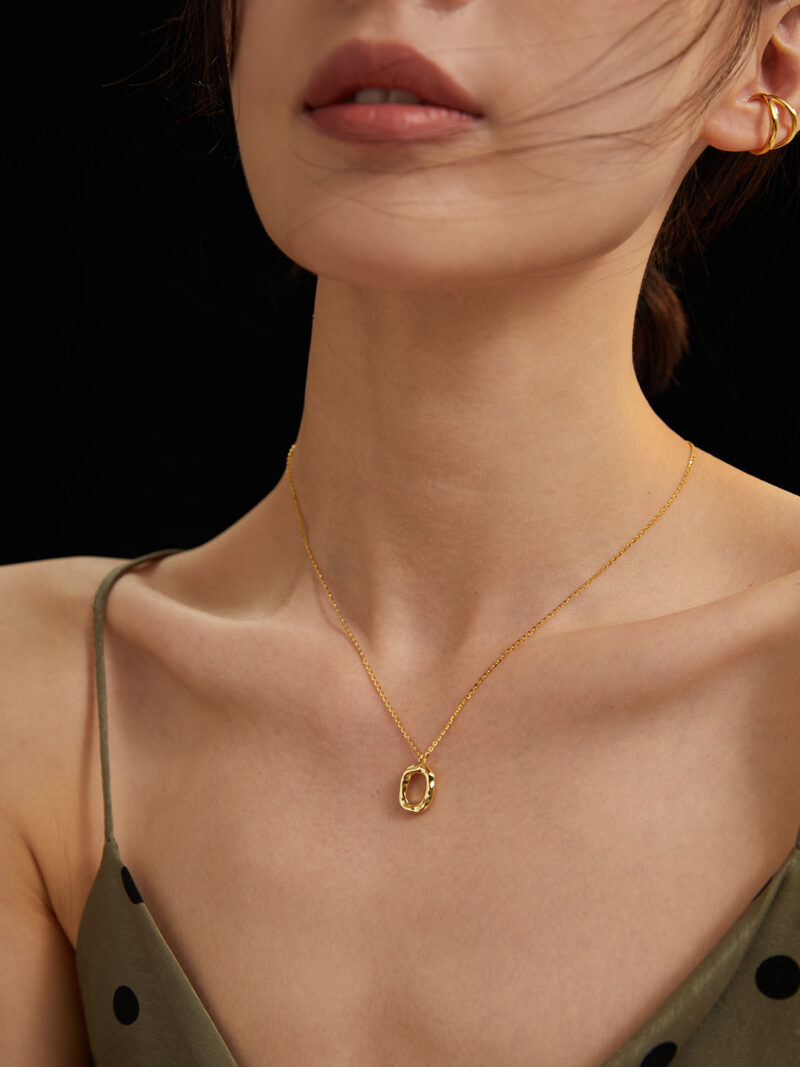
pixel 422 756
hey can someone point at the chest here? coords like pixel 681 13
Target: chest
pixel 585 849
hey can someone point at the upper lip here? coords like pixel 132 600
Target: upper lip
pixel 360 64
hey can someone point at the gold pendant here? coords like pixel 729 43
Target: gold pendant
pixel 430 782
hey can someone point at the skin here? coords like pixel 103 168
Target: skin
pixel 471 407
pixel 474 445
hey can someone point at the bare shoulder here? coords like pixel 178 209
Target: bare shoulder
pixel 45 619
pixel 46 700
pixel 755 527
pixel 755 514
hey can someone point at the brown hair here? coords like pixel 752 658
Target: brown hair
pixel 712 193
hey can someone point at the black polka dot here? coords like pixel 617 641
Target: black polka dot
pixel 778 977
pixel 126 1006
pixel 661 1055
pixel 130 886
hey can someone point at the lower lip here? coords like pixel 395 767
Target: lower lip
pixel 390 122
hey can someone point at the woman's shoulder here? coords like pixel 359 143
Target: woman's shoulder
pixel 756 501
pixel 35 587
pixel 46 704
pixel 45 616
pixel 753 529
pixel 45 701
pixel 757 520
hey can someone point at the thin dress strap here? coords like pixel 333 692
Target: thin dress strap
pixel 100 670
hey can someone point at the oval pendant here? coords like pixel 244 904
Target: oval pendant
pixel 430 783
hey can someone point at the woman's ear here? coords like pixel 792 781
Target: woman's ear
pixel 734 122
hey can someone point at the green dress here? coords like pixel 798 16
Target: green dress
pixel 740 1006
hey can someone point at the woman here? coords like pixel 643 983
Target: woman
pixel 592 859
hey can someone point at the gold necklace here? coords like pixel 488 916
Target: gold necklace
pixel 421 766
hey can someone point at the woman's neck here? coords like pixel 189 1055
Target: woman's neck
pixel 467 459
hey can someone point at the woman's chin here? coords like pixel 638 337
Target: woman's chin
pixel 380 249
pixel 389 269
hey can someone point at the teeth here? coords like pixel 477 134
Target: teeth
pixel 386 96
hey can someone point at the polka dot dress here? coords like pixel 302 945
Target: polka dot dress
pixel 139 1005
pixel 740 1007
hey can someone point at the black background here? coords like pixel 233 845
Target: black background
pixel 155 356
